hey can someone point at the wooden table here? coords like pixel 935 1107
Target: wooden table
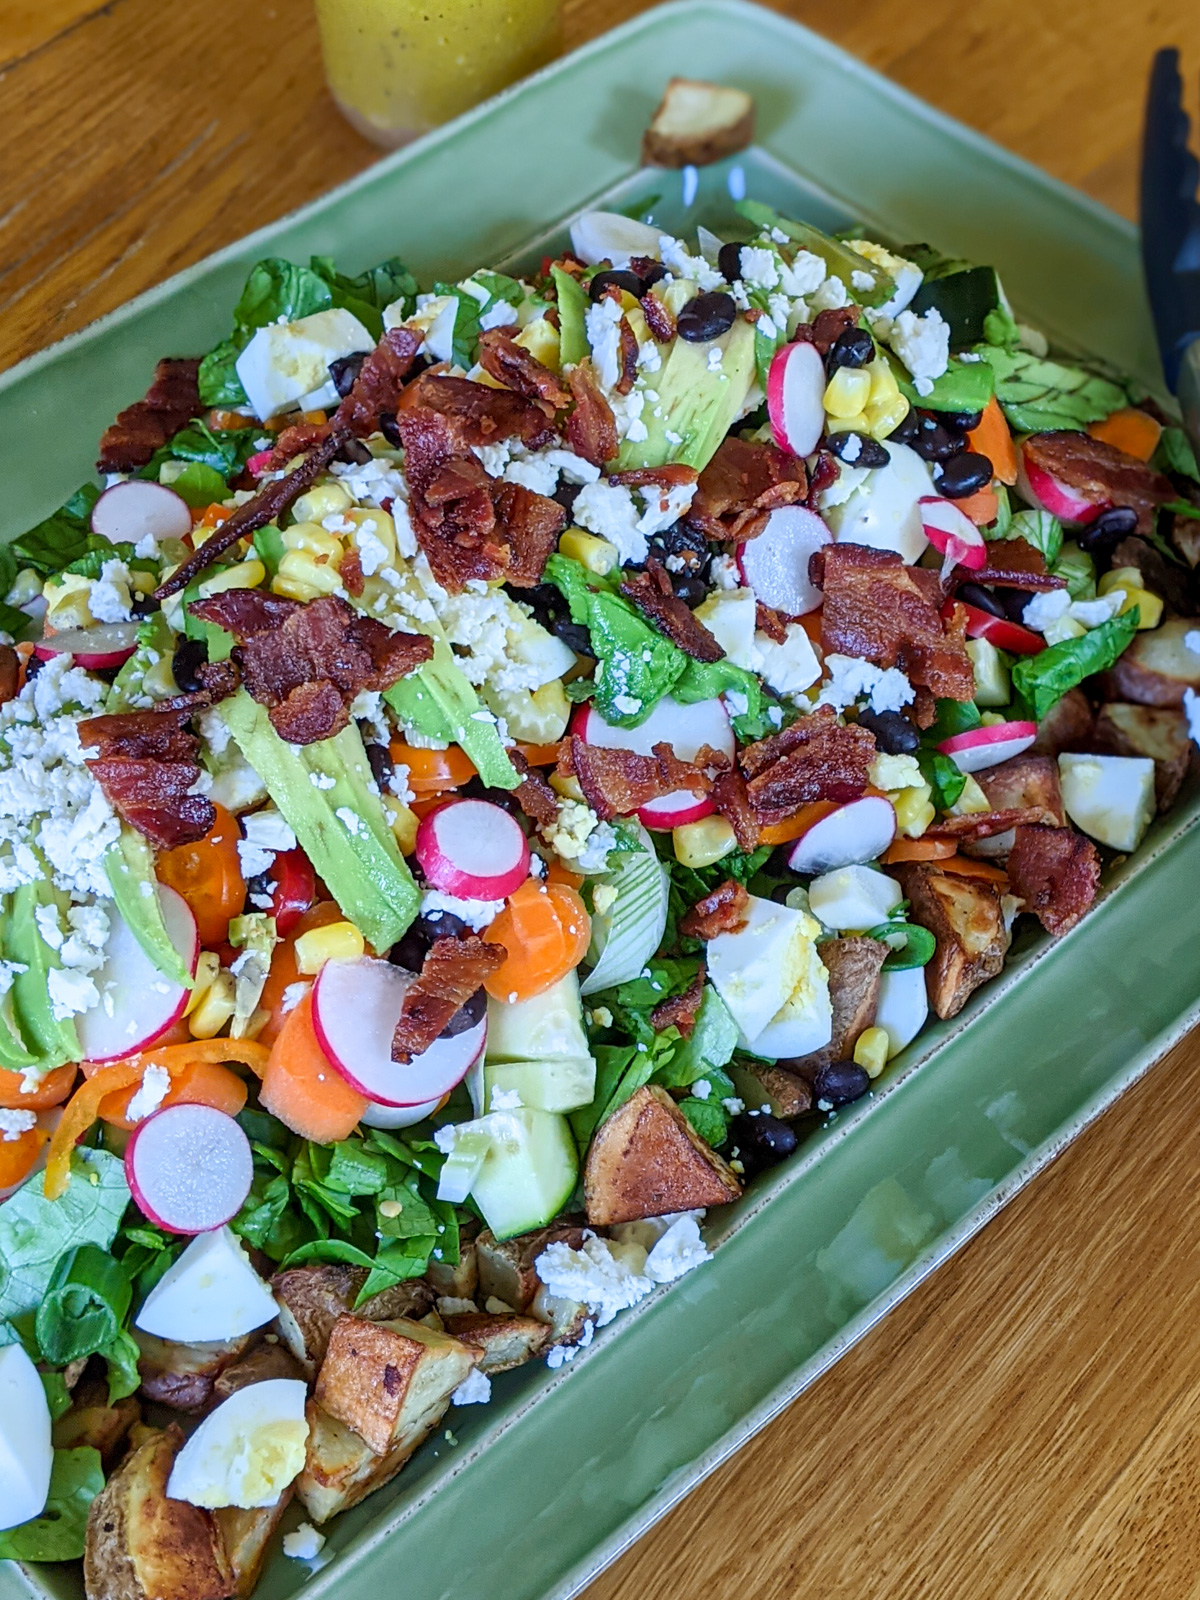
pixel 1025 1423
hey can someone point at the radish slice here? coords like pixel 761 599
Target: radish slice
pixel 795 397
pixel 189 1168
pixel 1005 635
pixel 1042 488
pixel 473 849
pixel 775 564
pixel 850 836
pixel 951 531
pixel 376 1116
pixel 356 1006
pixel 137 1004
pixel 129 511
pixel 687 729
pixel 988 746
pixel 94 648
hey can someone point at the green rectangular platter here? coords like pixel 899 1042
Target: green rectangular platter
pixel 533 1494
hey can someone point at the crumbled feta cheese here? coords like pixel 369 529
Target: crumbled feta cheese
pixel 474 1390
pixel 304 1544
pixel 852 679
pixel 760 267
pixel 608 509
pixel 805 275
pixel 1045 608
pixel 1091 613
pixel 49 926
pixel 679 1250
pixel 861 280
pixel 293 995
pixel 109 598
pixel 14 1123
pixel 1191 707
pixel 602 325
pixel 267 833
pixel 724 574
pixel 505 1100
pixel 829 295
pixel 906 275
pixel 559 1354
pixel 322 780
pixel 734 1105
pixel 596 1275
pixel 679 260
pixel 702 1088
pixel 213 731
pixel 716 355
pixel 477 914
pixel 71 992
pixel 151 1093
pixel 852 448
pixel 350 820
pixel 923 344
pixel 367 706
pixel 1191 641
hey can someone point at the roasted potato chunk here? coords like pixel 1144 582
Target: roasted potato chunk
pixel 91 1421
pixel 647 1161
pixel 377 1375
pixel 142 1546
pixel 506 1270
pixel 964 916
pixel 1066 726
pixel 460 1282
pixel 502 1342
pixel 310 1300
pixel 1157 667
pixel 854 965
pixel 783 1093
pixel 246 1535
pixel 697 123
pixel 182 1376
pixel 265 1361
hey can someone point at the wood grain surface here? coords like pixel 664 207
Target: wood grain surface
pixel 1025 1424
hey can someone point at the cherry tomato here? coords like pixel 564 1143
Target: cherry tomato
pixel 295 889
pixel 208 875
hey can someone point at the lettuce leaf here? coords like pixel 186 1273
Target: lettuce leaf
pixel 1042 680
pixel 61 537
pixel 1175 454
pixel 76 1478
pixel 36 1232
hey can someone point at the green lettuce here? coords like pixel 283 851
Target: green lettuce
pixel 76 1478
pixel 35 1232
pixel 1175 454
pixel 61 537
pixel 1040 529
pixel 1042 680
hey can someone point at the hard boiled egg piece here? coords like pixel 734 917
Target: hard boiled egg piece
pixel 804 1022
pixel 285 362
pixel 853 898
pixel 1110 797
pixel 26 1454
pixel 247 1451
pixel 757 968
pixel 902 1006
pixel 211 1292
pixel 883 511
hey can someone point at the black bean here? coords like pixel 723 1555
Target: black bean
pixel 468 1015
pixel 344 370
pixel 189 655
pixel 729 262
pixel 974 594
pixel 1013 602
pixel 260 887
pixel 379 758
pixel 356 451
pixel 441 925
pixel 1101 537
pixel 839 1083
pixel 762 1140
pixel 932 442
pixel 653 272
pixel 907 430
pixel 894 733
pixel 390 428
pixel 962 421
pixel 33 666
pixel 854 348
pixel 680 540
pixel 610 279
pixel 707 316
pixel 963 474
pixel 692 591
pixel 870 452
pixel 572 634
pixel 409 951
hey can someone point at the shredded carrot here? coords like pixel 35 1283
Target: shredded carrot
pixel 993 439
pixel 545 930
pixel 81 1111
pixel 795 827
pixel 968 867
pixel 1135 432
pixel 18 1156
pixel 983 507
pixel 918 850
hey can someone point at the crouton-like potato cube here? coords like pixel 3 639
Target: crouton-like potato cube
pixel 456 1283
pixel 414 1298
pixel 502 1342
pixel 1157 667
pixel 964 916
pixel 91 1421
pixel 310 1301
pixel 340 1468
pixel 646 1161
pixel 245 1536
pixel 265 1361
pixel 377 1375
pixel 1159 732
pixel 783 1093
pixel 506 1270
pixel 854 966
pixel 142 1546
pixel 1066 726
pixel 182 1375
pixel 567 1320
pixel 697 123
pixel 1026 783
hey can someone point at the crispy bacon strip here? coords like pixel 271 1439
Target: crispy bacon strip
pixel 475 413
pixel 533 794
pixel 627 347
pixel 1056 872
pixel 530 525
pixel 671 475
pixel 732 801
pixel 512 365
pixel 1101 473
pixel 878 608
pixel 985 824
pixel 651 592
pixel 306 661
pixel 172 400
pixel 658 318
pixel 453 971
pixel 722 911
pixel 146 764
pixel 741 486
pixel 591 426
pixel 682 1009
pixel 771 622
pixel 827 327
pixel 1012 564
pixel 616 783
pixel 815 759
pixel 375 392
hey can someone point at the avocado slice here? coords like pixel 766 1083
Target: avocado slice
pixel 323 790
pixel 54 1039
pixel 965 386
pixel 839 259
pixel 572 309
pixel 696 404
pixel 15 1054
pixel 439 703
pixel 129 867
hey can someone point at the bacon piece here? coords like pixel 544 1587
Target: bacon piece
pixel 146 764
pixel 985 824
pixel 817 758
pixel 1056 872
pixel 733 803
pixel 824 475
pixel 591 426
pixel 307 662
pixel 627 347
pixel 530 525
pixel 295 441
pixel 376 390
pixel 475 413
pixel 453 971
pixel 671 475
pixel 658 318
pixel 722 911
pixel 878 608
pixel 1100 473
pixel 741 486
pixel 771 622
pixel 1012 564
pixel 351 573
pixel 512 365
pixel 171 401
pixel 651 592
pixel 616 783
pixel 533 794
pixel 828 327
pixel 681 1010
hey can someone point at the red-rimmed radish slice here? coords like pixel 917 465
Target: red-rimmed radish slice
pixel 472 849
pixel 952 532
pixel 854 834
pixel 988 746
pixel 137 1004
pixel 376 1116
pixel 687 729
pixel 1043 489
pixel 189 1168
pixel 107 645
pixel 795 398
pixel 129 511
pixel 1005 635
pixel 258 463
pixel 356 1006
pixel 775 564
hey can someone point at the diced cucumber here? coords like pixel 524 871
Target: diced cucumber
pixel 626 935
pixel 464 1163
pixel 992 684
pixel 561 1084
pixel 529 1171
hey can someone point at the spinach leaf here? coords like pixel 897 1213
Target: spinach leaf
pixel 943 777
pixel 1175 454
pixel 1042 680
pixel 706 1051
pixel 707 1118
pixel 36 1232
pixel 84 1306
pixel 122 1355
pixel 61 537
pixel 76 1478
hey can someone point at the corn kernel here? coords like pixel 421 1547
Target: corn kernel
pixel 883 419
pixel 847 392
pixel 1061 628
pixel 699 844
pixel 871 1050
pixel 592 552
pixel 914 810
pixel 216 1007
pixel 245 575
pixel 540 338
pixel 311 537
pixel 1119 578
pixel 858 423
pixel 567 787
pixel 403 823
pixel 321 502
pixel 207 968
pixel 305 568
pixel 1150 607
pixel 884 387
pixel 972 800
pixel 293 589
pixel 336 941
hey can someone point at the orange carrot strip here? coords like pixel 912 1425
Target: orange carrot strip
pixel 18 1156
pixel 1135 432
pixel 303 1088
pixel 918 850
pixel 796 827
pixel 983 507
pixel 968 867
pixel 993 439
pixel 545 930
pixel 52 1091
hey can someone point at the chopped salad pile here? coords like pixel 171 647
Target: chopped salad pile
pixel 485 771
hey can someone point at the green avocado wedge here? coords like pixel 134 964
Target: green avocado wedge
pixel 129 867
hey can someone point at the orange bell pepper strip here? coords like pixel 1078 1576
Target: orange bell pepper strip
pixel 1134 432
pixel 968 867
pixel 796 827
pixel 81 1111
pixel 918 850
pixel 208 874
pixel 18 1156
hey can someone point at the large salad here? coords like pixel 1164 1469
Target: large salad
pixel 487 768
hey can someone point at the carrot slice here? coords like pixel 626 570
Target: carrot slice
pixel 208 875
pixel 81 1111
pixel 556 872
pixel 430 771
pixel 303 1088
pixel 545 930
pixel 993 439
pixel 18 1156
pixel 1135 432
pixel 795 827
pixel 918 850
pixel 983 507
pixel 968 867
pixel 52 1091
pixel 284 971
pixel 203 1083
pixel 541 755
